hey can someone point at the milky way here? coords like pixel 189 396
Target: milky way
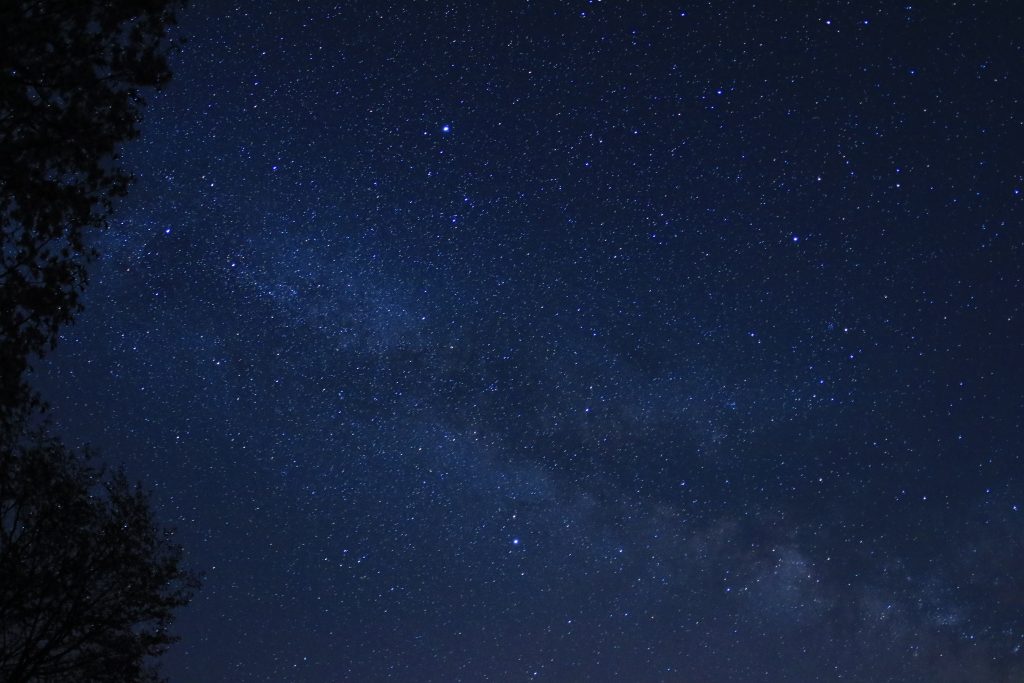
pixel 576 341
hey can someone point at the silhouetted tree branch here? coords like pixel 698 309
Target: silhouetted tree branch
pixel 88 580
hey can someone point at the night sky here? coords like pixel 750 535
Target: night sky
pixel 576 341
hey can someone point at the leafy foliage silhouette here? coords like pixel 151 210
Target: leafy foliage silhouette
pixel 72 74
pixel 89 581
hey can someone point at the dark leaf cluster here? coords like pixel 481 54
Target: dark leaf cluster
pixel 72 73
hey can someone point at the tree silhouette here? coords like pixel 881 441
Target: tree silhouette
pixel 71 80
pixel 88 580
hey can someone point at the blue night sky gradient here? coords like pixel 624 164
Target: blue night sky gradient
pixel 576 341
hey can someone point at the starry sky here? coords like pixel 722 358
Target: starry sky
pixel 576 341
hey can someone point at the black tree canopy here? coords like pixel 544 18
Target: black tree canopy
pixel 88 580
pixel 71 76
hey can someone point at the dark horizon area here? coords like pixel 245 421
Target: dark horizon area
pixel 575 341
